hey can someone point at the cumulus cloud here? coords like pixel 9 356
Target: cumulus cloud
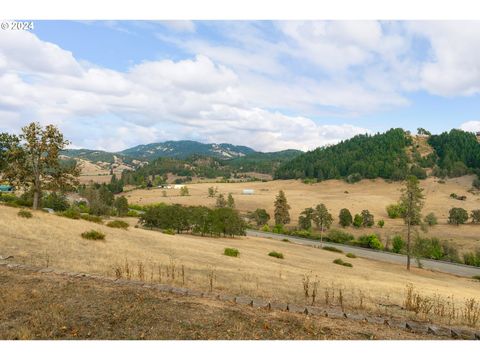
pixel 453 64
pixel 472 126
pixel 97 107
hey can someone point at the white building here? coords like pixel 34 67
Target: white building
pixel 179 186
pixel 248 192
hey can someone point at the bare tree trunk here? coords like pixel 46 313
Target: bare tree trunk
pixel 36 192
pixel 321 236
pixel 408 244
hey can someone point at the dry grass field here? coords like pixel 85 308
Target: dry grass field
pixel 53 307
pixel 373 195
pixel 47 239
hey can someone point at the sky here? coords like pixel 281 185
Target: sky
pixel 270 85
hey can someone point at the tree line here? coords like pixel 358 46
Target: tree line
pixel 200 220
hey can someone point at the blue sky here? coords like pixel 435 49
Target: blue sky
pixel 269 85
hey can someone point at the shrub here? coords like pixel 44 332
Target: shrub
pixel 457 216
pixel 285 240
pixel 25 214
pixel 266 228
pixel 367 219
pixel 345 218
pixel 332 248
pixel 57 202
pixel 92 218
pixel 71 213
pixel 278 229
pixel 431 219
pixel 132 213
pixel 418 172
pixel 357 220
pixel 397 244
pixel 341 262
pixel 302 233
pixel 476 183
pixel 475 215
pixel 476 277
pixel 276 254
pixel 472 258
pixel 8 198
pixel 350 255
pixel 119 224
pixel 370 241
pixel 339 236
pixel 381 223
pixel 231 252
pixel 169 231
pixel 93 235
pixel 394 211
pixel 353 178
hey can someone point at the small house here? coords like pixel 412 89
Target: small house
pixel 178 186
pixel 248 192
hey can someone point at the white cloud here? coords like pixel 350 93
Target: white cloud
pixel 453 66
pixel 180 25
pixel 472 126
pixel 157 100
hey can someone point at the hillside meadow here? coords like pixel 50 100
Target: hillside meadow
pixel 199 263
pixel 373 195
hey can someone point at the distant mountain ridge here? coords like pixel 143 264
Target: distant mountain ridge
pixel 185 148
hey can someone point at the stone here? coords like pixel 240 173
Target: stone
pixel 163 287
pixel 226 297
pixel 357 317
pixel 395 323
pixel 296 309
pixel 311 310
pixel 278 306
pixel 195 293
pixel 416 327
pixel 260 303
pixel 178 291
pixel 438 330
pixel 375 320
pixel 335 314
pixel 243 300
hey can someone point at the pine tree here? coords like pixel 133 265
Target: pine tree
pixel 305 219
pixel 322 218
pixel 412 203
pixel 230 201
pixel 221 202
pixel 345 218
pixel 281 214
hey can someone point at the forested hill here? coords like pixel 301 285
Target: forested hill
pixel 390 155
pixel 364 156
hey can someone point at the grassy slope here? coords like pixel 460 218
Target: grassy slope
pixel 52 307
pixel 57 240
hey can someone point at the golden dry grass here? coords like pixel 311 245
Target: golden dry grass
pixel 56 240
pixel 53 307
pixel 373 195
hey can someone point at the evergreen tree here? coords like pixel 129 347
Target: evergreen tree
pixel 345 218
pixel 230 201
pixel 367 219
pixel 322 219
pixel 221 202
pixel 121 205
pixel 260 216
pixel 412 203
pixel 281 214
pixel 305 219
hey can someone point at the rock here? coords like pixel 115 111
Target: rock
pixel 375 320
pixel 296 309
pixel 260 303
pixel 226 297
pixel 243 300
pixel 335 314
pixel 311 310
pixel 278 306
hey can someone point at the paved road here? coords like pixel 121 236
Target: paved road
pixel 451 268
